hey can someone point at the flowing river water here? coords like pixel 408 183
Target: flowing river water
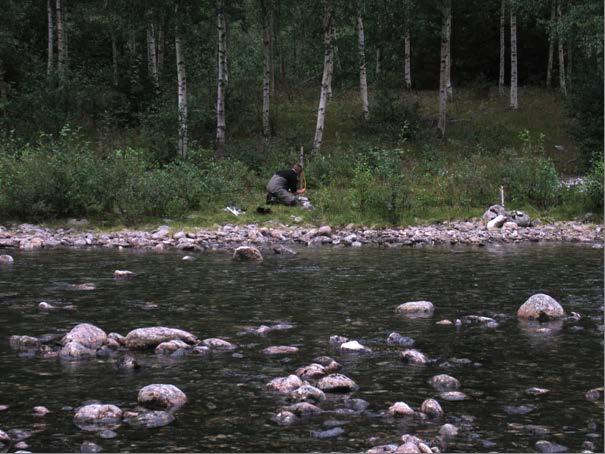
pixel 322 292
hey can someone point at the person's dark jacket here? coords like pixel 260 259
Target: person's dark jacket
pixel 291 178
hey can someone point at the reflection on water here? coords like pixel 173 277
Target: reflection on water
pixel 321 292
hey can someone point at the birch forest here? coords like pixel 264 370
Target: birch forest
pixel 403 109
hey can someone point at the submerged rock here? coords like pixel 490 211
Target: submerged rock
pixel 408 448
pixel 417 309
pixel 519 410
pixel 280 350
pixel 536 391
pixel 541 307
pixel 127 362
pixel 23 342
pixel 151 337
pixel 89 446
pixel 96 417
pixel 337 341
pixel 411 356
pixel 594 394
pixel 162 396
pixel 6 259
pixel 444 382
pixel 400 409
pixel 167 348
pixel 284 418
pixel 303 409
pixel 448 430
pixel 151 419
pixel 335 383
pixel 88 335
pixel 330 433
pixel 117 337
pixel 248 253
pixel 453 396
pixel 216 344
pixel 74 351
pixel 285 385
pixel 402 341
pixel 383 449
pixel 547 446
pixel 40 411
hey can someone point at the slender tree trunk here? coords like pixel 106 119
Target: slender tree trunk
pixel 160 47
pixel 222 79
pixel 267 22
pixel 363 80
pixel 152 63
pixel 114 57
pixel 446 11
pixel 182 87
pixel 331 69
pixel 514 102
pixel 569 65
pixel 407 67
pixel 562 85
pixel 379 61
pixel 551 44
pixel 325 80
pixel 502 47
pixel 448 73
pixel 66 34
pixel 272 33
pixel 51 38
pixel 60 41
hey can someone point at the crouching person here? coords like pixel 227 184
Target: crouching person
pixel 283 186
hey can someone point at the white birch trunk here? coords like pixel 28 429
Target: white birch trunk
pixel 447 6
pixel 514 102
pixel 182 88
pixel 51 38
pixel 267 7
pixel 331 70
pixel 407 67
pixel 114 57
pixel 363 79
pixel 562 84
pixel 325 80
pixel 450 89
pixel 221 79
pixel 152 63
pixel 60 41
pixel 502 47
pixel 551 45
pixel 160 47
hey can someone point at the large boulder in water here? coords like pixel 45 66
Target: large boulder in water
pixel 431 408
pixel 337 383
pixel 162 396
pixel 444 382
pixel 541 307
pixel 417 309
pixel 87 335
pixel 98 417
pixel 74 351
pixel 248 253
pixel 151 337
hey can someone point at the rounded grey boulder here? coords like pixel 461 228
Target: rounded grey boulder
pixel 400 409
pixel 88 335
pixel 248 253
pixel 307 393
pixel 311 371
pixel 337 383
pixel 216 344
pixel 74 351
pixel 162 396
pixel 412 356
pixel 431 408
pixel 541 307
pixel 416 309
pixel 151 337
pixel 280 350
pixel 285 385
pixel 166 348
pixel 444 382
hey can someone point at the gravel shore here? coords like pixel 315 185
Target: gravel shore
pixel 228 237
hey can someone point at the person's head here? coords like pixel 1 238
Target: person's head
pixel 297 168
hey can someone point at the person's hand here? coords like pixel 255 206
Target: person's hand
pixel 301 191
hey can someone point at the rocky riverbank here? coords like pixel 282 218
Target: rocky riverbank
pixel 268 235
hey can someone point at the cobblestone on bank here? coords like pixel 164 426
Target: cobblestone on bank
pixel 229 237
